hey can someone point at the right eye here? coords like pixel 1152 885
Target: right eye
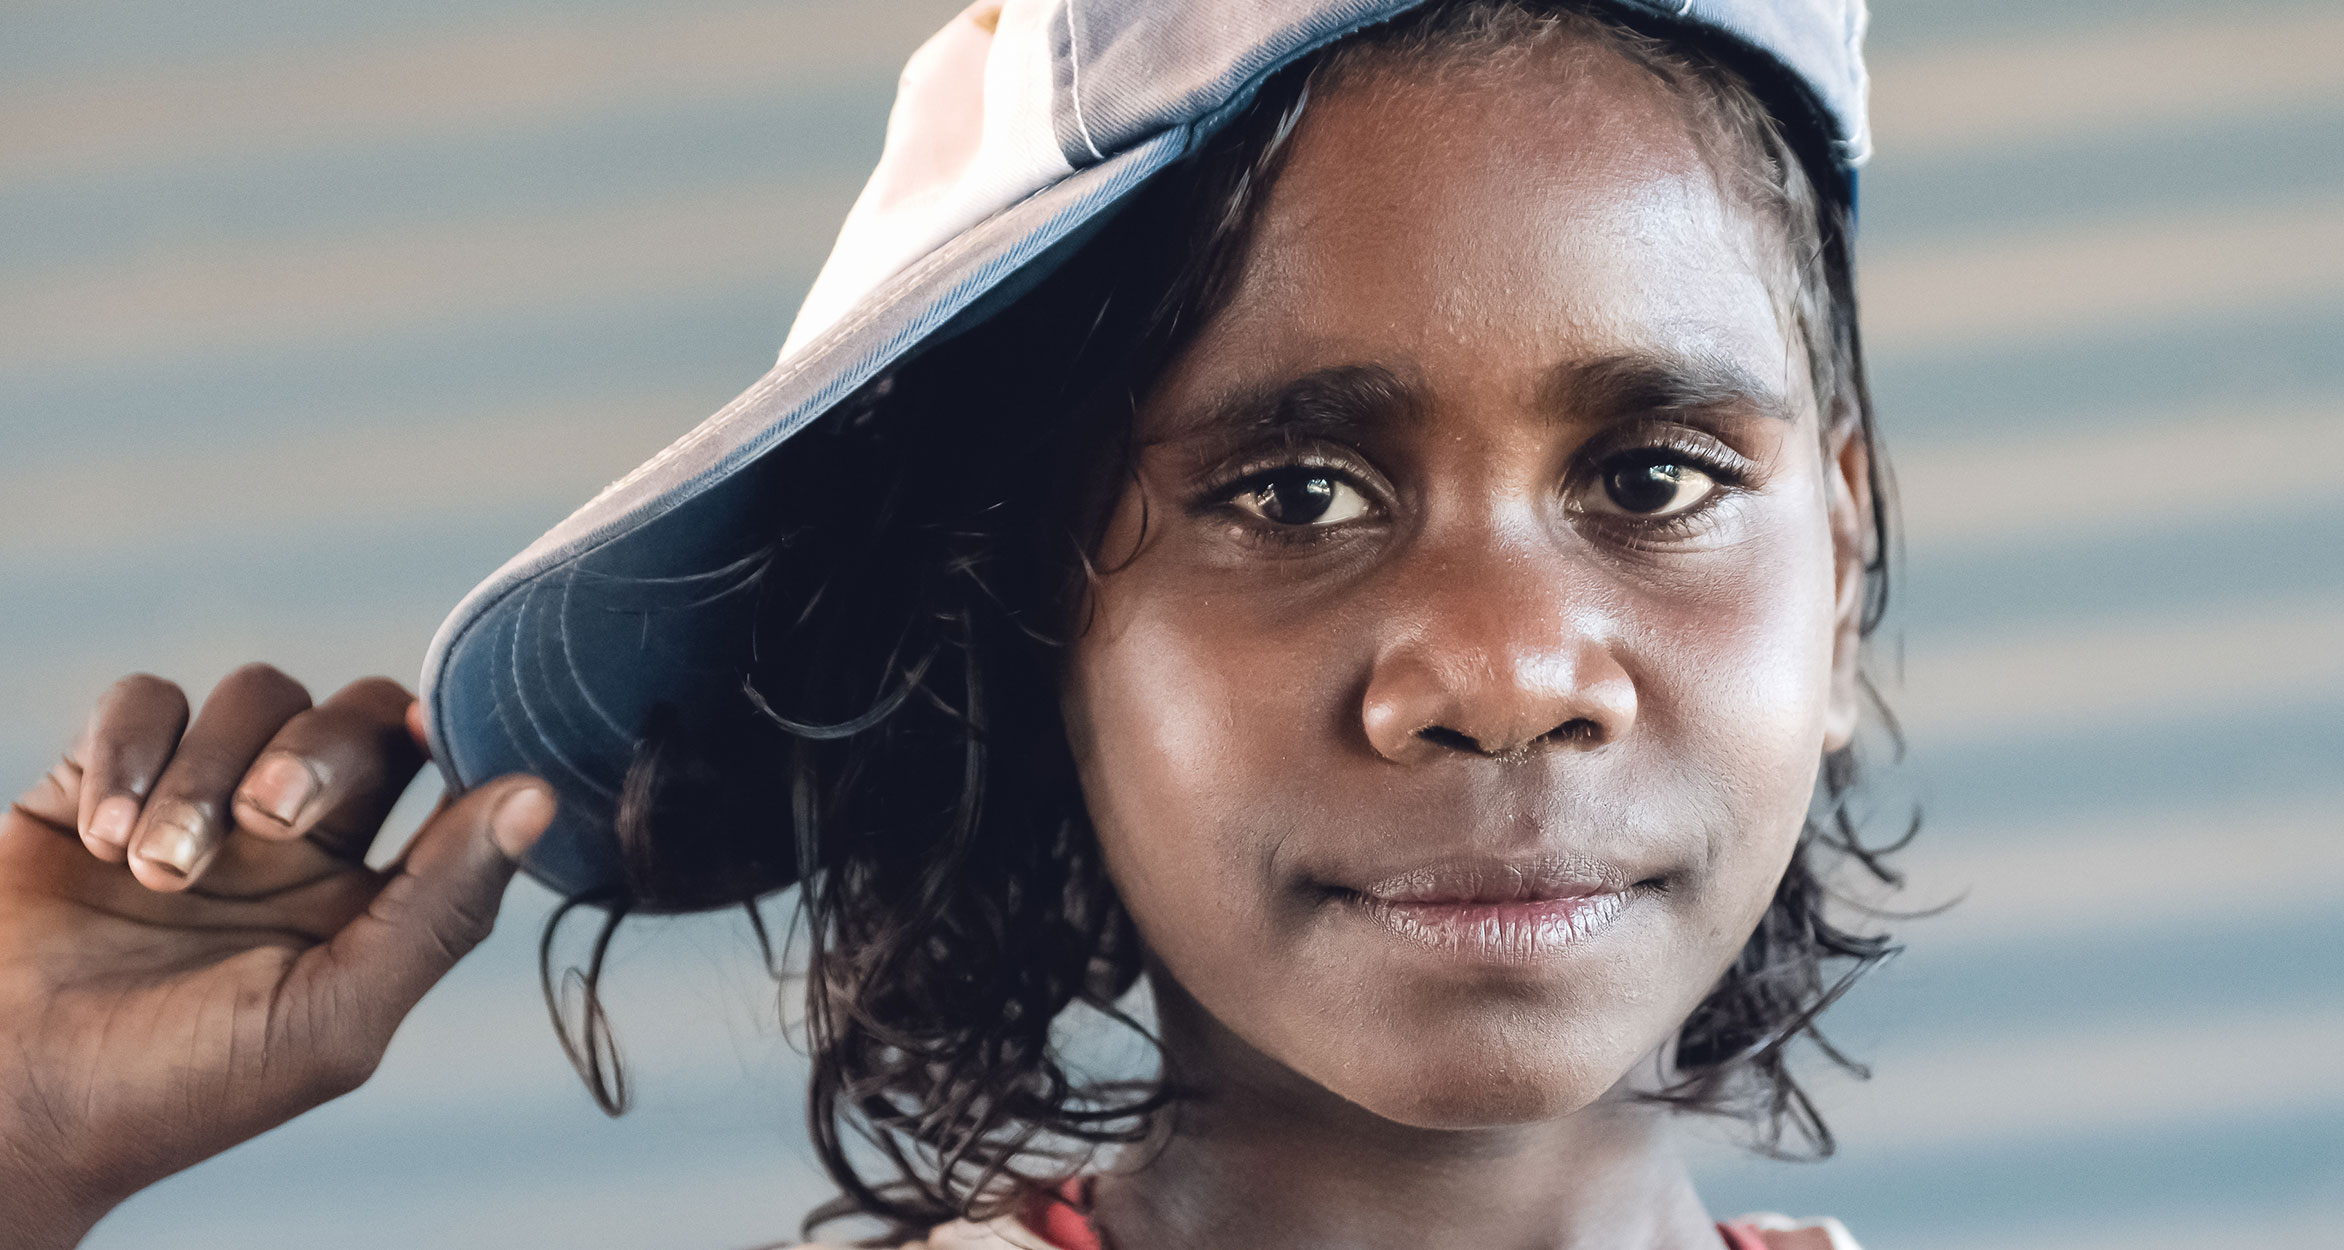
pixel 1301 496
pixel 1653 486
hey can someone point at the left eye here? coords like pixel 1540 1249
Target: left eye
pixel 1299 497
pixel 1650 488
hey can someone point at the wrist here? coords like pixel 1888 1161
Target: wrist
pixel 42 1212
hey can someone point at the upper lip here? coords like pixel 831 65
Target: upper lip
pixel 1466 881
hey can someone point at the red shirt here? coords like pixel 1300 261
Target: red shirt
pixel 1058 1219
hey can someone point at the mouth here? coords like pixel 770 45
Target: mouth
pixel 1497 910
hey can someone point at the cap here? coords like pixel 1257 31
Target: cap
pixel 1015 127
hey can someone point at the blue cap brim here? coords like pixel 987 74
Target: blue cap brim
pixel 640 598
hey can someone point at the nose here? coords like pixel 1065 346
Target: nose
pixel 1498 657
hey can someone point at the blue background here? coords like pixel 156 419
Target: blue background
pixel 311 313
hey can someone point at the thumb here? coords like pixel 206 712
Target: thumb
pixel 439 904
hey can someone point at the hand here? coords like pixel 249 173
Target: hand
pixel 191 950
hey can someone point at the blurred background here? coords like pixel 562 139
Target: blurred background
pixel 312 311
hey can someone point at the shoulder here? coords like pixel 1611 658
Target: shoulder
pixel 1001 1234
pixel 1780 1232
pixel 1776 1232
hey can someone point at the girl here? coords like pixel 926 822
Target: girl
pixel 1361 519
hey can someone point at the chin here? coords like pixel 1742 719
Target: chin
pixel 1432 1082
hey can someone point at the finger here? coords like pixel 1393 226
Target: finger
pixel 186 818
pixel 333 772
pixel 416 730
pixel 129 740
pixel 441 903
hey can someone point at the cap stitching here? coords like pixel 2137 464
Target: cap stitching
pixel 1074 81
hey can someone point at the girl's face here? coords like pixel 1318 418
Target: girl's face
pixel 1482 605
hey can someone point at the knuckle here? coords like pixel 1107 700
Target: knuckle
pixel 304 732
pixel 260 676
pixel 341 1069
pixel 379 695
pixel 53 798
pixel 340 745
pixel 450 926
pixel 466 924
pixel 328 722
pixel 142 689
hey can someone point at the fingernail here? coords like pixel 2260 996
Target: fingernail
pixel 111 823
pixel 518 819
pixel 174 839
pixel 279 787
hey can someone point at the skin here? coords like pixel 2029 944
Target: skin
pixel 1402 596
pixel 1473 652
pixel 181 967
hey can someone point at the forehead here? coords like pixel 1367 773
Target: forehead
pixel 1492 221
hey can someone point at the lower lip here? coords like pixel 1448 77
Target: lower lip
pixel 1511 932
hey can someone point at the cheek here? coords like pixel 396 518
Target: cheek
pixel 1182 729
pixel 1206 721
pixel 1734 680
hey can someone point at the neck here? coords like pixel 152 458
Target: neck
pixel 1260 1155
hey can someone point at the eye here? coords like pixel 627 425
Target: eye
pixel 1652 485
pixel 1301 496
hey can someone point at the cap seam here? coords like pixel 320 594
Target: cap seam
pixel 1074 82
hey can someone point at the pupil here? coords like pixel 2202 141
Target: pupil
pixel 1295 500
pixel 1646 487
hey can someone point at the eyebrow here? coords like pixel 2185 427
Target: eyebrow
pixel 1346 403
pixel 1339 403
pixel 1648 383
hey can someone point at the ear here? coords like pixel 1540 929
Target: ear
pixel 1855 543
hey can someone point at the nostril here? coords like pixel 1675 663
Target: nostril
pixel 1578 729
pixel 1443 736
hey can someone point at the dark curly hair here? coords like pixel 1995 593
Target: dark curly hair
pixel 931 544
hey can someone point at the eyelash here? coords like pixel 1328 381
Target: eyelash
pixel 1733 473
pixel 1220 496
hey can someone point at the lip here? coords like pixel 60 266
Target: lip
pixel 1497 910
